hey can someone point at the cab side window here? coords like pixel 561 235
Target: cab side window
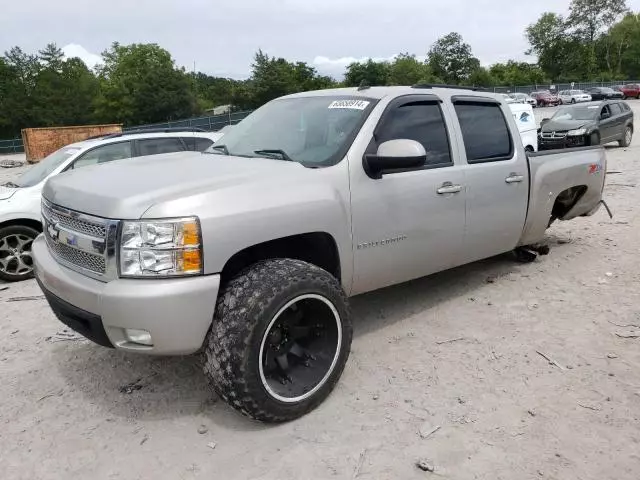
pixel 422 122
pixel 605 112
pixel 197 144
pixel 485 132
pixel 104 154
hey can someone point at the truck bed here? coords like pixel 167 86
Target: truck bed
pixel 564 184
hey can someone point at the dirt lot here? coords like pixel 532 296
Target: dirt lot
pixel 73 410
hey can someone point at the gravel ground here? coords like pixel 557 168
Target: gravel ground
pixel 72 410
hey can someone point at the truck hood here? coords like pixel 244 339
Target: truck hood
pixel 126 189
pixel 563 125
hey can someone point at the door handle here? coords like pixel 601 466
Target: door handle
pixel 514 178
pixel 448 187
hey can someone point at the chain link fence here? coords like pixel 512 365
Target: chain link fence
pixel 556 87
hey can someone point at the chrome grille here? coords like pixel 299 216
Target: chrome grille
pixel 75 224
pixel 554 135
pixel 89 261
pixel 84 243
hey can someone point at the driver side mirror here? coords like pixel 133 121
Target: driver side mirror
pixel 604 115
pixel 394 155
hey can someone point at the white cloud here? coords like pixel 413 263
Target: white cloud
pixel 75 50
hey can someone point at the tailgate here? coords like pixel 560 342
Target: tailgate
pixel 552 173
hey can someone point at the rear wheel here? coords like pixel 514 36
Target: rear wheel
pixel 16 260
pixel 280 340
pixel 626 139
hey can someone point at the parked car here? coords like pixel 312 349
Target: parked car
pixel 573 96
pixel 507 98
pixel 545 98
pixel 314 197
pixel 604 93
pixel 524 98
pixel 631 90
pixel 20 220
pixel 595 123
pixel 526 122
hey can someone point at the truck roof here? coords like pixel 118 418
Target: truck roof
pixel 382 92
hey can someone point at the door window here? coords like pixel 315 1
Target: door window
pixel 615 109
pixel 485 132
pixel 103 154
pixel 155 146
pixel 197 144
pixel 605 112
pixel 422 122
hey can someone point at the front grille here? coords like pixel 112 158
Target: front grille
pixel 89 261
pixel 82 226
pixel 82 242
pixel 554 135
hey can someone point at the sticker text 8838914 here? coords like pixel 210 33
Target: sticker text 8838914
pixel 351 104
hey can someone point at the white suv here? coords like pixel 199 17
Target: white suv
pixel 573 96
pixel 20 220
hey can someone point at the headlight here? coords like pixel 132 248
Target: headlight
pixel 161 248
pixel 577 133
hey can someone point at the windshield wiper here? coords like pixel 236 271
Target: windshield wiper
pixel 223 148
pixel 11 185
pixel 270 152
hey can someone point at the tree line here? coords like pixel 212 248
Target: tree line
pixel 599 40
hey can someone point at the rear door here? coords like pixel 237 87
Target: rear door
pixel 496 178
pixel 607 125
pixel 617 120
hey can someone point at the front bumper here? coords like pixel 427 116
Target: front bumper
pixel 176 312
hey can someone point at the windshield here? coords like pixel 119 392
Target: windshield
pixel 44 167
pixel 314 131
pixel 584 112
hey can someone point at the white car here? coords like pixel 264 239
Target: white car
pixel 508 98
pixel 573 96
pixel 526 121
pixel 524 98
pixel 20 220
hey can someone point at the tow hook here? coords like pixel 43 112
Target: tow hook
pixel 607 208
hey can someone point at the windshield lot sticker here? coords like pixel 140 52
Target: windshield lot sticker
pixel 350 104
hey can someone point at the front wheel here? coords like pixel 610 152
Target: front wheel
pixel 279 341
pixel 16 260
pixel 594 138
pixel 573 101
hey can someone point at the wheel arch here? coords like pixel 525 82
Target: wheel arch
pixel 26 222
pixel 317 248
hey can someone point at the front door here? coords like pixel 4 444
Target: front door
pixel 408 224
pixel 496 177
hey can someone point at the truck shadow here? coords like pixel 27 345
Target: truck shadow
pixel 142 388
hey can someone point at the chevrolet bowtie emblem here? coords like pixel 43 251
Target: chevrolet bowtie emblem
pixel 54 233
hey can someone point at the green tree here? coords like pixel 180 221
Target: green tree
pixel 140 83
pixel 481 77
pixel 372 73
pixel 405 69
pixel 451 59
pixel 549 42
pixel 51 57
pixel 588 18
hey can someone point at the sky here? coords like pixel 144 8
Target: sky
pixel 222 36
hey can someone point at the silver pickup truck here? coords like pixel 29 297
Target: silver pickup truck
pixel 248 252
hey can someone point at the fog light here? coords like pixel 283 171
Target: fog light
pixel 141 337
